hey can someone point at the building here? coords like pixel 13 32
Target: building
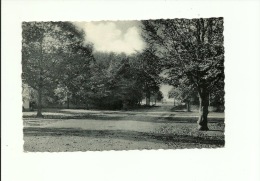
pixel 26 96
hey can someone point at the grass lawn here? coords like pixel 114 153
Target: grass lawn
pixel 94 130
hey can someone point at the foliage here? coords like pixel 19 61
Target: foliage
pixel 190 50
pixel 183 93
pixel 113 81
pixel 159 96
pixel 217 95
pixel 148 70
pixel 47 48
pixel 118 80
pixel 44 44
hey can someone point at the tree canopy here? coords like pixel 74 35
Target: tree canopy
pixel 46 49
pixel 192 50
pixel 185 53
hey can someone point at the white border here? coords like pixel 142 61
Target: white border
pixel 239 160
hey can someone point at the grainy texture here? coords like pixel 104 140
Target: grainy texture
pixel 150 128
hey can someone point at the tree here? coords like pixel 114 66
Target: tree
pixel 75 79
pixel 116 81
pixel 63 94
pixel 128 85
pixel 216 97
pixel 184 92
pixel 159 96
pixel 103 80
pixel 191 49
pixel 148 70
pixel 44 45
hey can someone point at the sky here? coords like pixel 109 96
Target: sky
pixel 117 36
pixel 113 36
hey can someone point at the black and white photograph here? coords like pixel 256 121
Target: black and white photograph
pixel 123 85
pixel 130 90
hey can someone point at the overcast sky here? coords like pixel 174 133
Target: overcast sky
pixel 113 36
pixel 118 37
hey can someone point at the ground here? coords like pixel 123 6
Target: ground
pixel 160 127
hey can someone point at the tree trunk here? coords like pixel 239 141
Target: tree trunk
pixel 39 110
pixel 40 83
pixel 203 111
pixel 148 98
pixel 68 103
pixel 209 99
pixel 188 106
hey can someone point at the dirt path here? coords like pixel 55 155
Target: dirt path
pixel 155 128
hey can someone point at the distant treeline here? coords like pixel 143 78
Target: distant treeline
pixel 59 67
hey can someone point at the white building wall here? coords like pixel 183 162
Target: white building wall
pixel 26 96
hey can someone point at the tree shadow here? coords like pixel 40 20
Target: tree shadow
pixel 138 118
pixel 124 134
pixel 216 130
pixel 182 111
pixel 192 120
pixel 80 116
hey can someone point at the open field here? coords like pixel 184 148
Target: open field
pixel 94 130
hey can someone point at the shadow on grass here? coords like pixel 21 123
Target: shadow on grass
pixel 126 135
pixel 79 116
pixel 140 108
pixel 139 118
pixel 179 108
pixel 216 130
pixel 191 120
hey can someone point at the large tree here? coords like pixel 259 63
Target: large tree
pixel 120 80
pixel 44 46
pixel 75 79
pixel 192 49
pixel 114 81
pixel 148 69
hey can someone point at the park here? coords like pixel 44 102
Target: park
pixel 96 86
pixel 148 128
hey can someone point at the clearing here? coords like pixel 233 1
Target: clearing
pixel 67 130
